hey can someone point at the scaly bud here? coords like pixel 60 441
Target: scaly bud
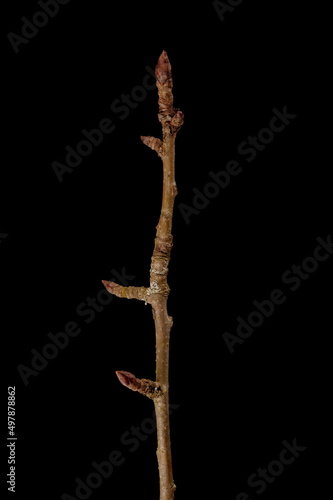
pixel 127 379
pixel 146 387
pixel 163 70
pixel 127 292
pixel 154 144
pixel 177 121
pixel 164 87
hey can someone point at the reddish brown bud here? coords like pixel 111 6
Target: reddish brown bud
pixel 110 286
pixel 127 379
pixel 163 69
pixel 177 120
pixel 153 143
pixel 146 387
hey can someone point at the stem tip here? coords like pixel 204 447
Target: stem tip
pixel 163 68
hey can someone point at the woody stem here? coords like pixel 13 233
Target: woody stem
pixel 163 322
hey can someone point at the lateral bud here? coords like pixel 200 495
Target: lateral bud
pixel 177 121
pixel 127 292
pixel 154 144
pixel 144 386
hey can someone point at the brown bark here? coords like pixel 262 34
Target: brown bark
pixel 157 294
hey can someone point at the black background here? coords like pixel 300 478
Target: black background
pixel 234 410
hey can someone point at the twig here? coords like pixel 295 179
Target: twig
pixel 157 294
